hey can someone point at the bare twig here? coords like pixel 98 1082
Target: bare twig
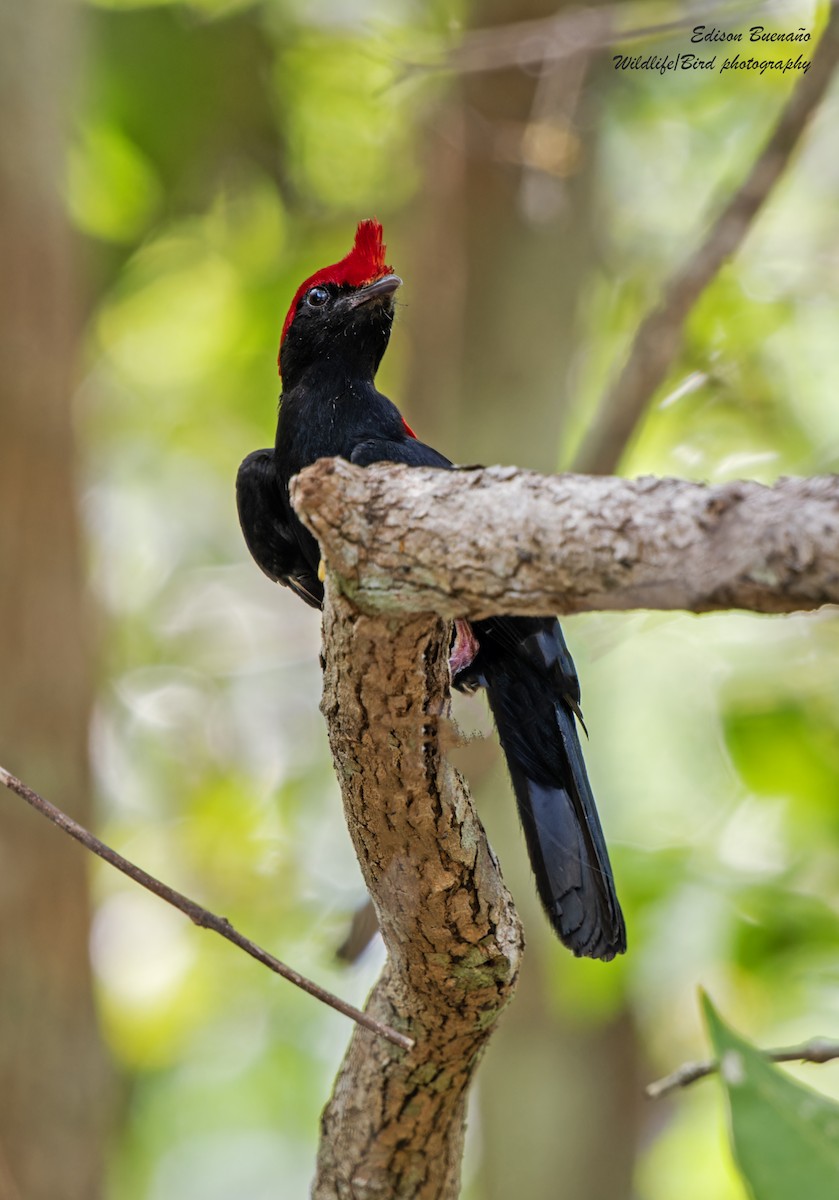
pixel 363 928
pixel 195 912
pixel 659 336
pixel 547 40
pixel 477 543
pixel 817 1050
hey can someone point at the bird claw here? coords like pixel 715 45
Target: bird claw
pixel 322 570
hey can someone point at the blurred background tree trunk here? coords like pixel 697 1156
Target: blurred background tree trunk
pixel 505 240
pixel 53 1077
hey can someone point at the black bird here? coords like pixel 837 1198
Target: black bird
pixel 335 334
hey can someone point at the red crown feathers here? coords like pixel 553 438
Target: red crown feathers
pixel 364 263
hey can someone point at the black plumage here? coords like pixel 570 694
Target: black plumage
pixel 334 337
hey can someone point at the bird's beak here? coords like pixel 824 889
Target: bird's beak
pixel 379 288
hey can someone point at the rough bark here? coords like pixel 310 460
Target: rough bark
pixel 53 1074
pixel 497 540
pixel 395 1123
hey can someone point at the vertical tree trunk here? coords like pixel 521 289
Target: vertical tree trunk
pixel 500 248
pixel 394 1126
pixel 52 1072
pixel 493 293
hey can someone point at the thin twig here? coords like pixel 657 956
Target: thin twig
pixel 659 336
pixel 528 44
pixel 817 1050
pixel 197 914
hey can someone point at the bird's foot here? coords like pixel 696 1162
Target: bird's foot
pixel 463 649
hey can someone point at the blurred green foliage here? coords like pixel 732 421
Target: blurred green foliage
pixel 221 151
pixel 785 1136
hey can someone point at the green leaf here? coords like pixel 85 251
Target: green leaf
pixel 785 1136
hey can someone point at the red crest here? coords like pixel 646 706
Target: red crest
pixel 364 264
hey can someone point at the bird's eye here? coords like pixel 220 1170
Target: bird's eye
pixel 317 296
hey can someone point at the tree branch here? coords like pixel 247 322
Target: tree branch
pixel 198 915
pixel 552 39
pixel 472 543
pixel 395 1123
pixel 817 1050
pixel 659 336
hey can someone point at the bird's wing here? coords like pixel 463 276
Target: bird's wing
pixel 408 450
pixel 271 536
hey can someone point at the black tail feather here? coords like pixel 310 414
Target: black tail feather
pixel 533 693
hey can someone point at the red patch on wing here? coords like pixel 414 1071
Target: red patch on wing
pixel 408 428
pixel 364 264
